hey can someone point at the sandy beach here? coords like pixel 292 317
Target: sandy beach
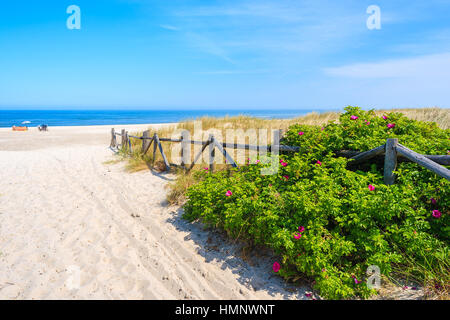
pixel 74 225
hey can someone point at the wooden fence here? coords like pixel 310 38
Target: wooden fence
pixel 391 150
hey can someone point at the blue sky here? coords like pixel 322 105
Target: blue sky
pixel 224 54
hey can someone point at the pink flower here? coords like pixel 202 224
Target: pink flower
pixel 284 164
pixel 297 236
pixel 308 294
pixel 286 177
pixel 390 125
pixel 319 163
pixel 437 214
pixel 368 122
pixel 353 117
pixel 301 228
pixel 281 160
pixel 433 200
pixel 257 161
pixel 356 280
pixel 323 270
pixel 229 193
pixel 384 117
pixel 206 168
pixel 301 133
pixel 322 129
pixel 371 187
pixel 276 266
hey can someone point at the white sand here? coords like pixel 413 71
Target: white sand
pixel 64 213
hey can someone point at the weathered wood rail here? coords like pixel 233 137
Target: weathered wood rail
pixel 392 151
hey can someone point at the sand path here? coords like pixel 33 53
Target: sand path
pixel 75 227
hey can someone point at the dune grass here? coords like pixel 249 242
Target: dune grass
pixel 219 126
pixel 433 277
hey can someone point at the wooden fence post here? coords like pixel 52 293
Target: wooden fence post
pixel 155 145
pixel 157 142
pixel 145 141
pixel 129 143
pixel 113 138
pixel 390 161
pixel 123 143
pixel 185 152
pixel 212 153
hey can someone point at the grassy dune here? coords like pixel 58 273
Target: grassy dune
pixel 218 126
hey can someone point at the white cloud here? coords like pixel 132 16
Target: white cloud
pixel 169 27
pixel 432 66
pixel 271 31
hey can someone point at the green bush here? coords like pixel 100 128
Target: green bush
pixel 351 220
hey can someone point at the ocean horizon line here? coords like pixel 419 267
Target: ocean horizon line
pixel 8 118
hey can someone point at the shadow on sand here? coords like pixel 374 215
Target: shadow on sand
pixel 252 266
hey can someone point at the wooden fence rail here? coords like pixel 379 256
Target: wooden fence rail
pixel 391 150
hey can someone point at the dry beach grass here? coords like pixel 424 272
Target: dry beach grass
pixel 219 126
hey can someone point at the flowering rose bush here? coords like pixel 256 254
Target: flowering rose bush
pixel 328 222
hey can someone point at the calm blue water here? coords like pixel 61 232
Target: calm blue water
pixel 9 118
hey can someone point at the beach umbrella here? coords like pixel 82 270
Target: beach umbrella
pixel 25 122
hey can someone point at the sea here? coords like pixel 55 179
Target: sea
pixel 31 118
